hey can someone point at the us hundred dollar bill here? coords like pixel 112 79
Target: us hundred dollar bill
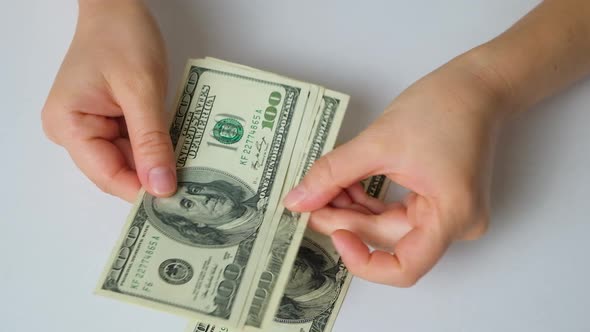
pixel 329 109
pixel 196 253
pixel 317 283
pixel 272 276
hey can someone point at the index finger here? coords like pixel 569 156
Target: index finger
pixel 334 172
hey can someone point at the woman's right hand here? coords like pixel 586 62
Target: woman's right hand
pixel 106 106
pixel 435 139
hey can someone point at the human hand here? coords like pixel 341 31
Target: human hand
pixel 106 106
pixel 436 139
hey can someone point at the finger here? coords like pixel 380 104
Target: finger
pixel 63 105
pixel 358 195
pixel 105 165
pixel 124 146
pixel 476 231
pixel 410 198
pixel 355 198
pixel 81 126
pixel 353 206
pixel 88 141
pixel 478 228
pixel 379 231
pixel 142 103
pixel 122 127
pixel 415 254
pixel 343 200
pixel 332 173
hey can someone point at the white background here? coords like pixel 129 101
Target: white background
pixel 529 273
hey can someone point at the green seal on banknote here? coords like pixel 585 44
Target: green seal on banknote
pixel 176 271
pixel 228 131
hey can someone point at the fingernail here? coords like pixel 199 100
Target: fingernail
pixel 161 180
pixel 294 197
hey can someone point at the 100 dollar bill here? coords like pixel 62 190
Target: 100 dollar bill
pixel 196 253
pixel 317 283
pixel 273 275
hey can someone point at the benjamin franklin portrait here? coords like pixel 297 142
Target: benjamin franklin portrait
pixel 312 287
pixel 210 208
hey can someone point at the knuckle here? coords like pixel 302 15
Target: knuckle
pixel 151 142
pixel 478 230
pixel 48 123
pixel 104 186
pixel 75 128
pixel 483 221
pixel 139 84
pixel 321 174
pixel 47 127
pixel 406 280
pixel 470 212
pixel 102 182
pixel 108 182
pixel 324 167
pixel 464 192
pixel 356 270
pixel 463 205
pixel 142 81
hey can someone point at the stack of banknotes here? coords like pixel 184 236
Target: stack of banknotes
pixel 223 251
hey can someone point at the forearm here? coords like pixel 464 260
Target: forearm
pixel 544 52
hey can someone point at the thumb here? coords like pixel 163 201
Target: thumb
pixel 143 109
pixel 329 175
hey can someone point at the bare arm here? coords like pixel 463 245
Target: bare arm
pixel 437 139
pixel 544 52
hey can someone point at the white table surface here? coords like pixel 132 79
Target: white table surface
pixel 529 273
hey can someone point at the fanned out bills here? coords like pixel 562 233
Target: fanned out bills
pixel 221 250
pixel 316 287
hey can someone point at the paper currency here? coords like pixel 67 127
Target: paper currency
pixel 242 139
pixel 282 249
pixel 317 283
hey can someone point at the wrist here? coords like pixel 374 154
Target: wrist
pixel 472 80
pixel 105 2
pixel 484 77
pixel 543 53
pixel 90 7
